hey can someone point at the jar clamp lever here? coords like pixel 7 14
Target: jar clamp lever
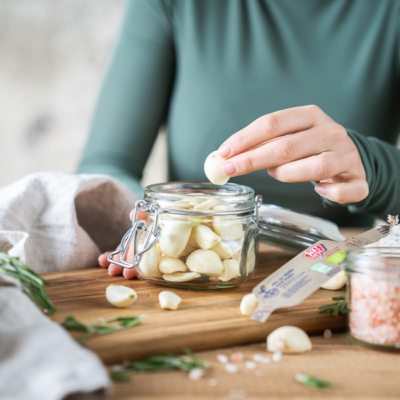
pixel 133 233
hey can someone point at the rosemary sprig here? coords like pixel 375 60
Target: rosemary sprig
pixel 165 362
pixel 335 308
pixel 31 283
pixel 72 324
pixel 313 382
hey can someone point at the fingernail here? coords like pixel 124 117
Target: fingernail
pixel 229 168
pixel 224 151
pixel 272 172
pixel 321 189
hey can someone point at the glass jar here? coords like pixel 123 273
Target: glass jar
pixel 196 236
pixel 373 294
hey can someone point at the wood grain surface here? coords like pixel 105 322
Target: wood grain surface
pixel 206 319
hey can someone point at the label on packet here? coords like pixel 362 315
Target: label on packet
pixel 305 273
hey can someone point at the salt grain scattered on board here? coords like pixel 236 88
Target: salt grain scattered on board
pixel 250 364
pixel 261 359
pixel 277 356
pixel 222 358
pixel 195 374
pixel 327 333
pixel 237 357
pixel 232 368
pixel 213 382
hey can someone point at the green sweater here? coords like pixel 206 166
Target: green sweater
pixel 210 67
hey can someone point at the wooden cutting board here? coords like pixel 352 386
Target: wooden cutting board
pixel 206 319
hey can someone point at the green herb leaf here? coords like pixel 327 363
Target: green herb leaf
pixel 126 322
pixel 335 308
pixel 313 382
pixel 31 283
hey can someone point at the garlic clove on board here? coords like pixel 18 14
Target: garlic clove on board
pixel 213 169
pixel 205 262
pixel 205 237
pixel 120 296
pixel 181 276
pixel 168 265
pixel 149 263
pixel 223 250
pixel 248 304
pixel 288 339
pixel 336 282
pixel 169 300
pixel 231 270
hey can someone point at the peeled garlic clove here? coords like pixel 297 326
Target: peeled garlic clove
pixel 213 169
pixel 190 248
pixel 235 245
pixel 181 276
pixel 174 237
pixel 169 300
pixel 207 205
pixel 248 304
pixel 228 228
pixel 174 205
pixel 223 250
pixel 251 258
pixel 205 262
pixel 149 263
pixel 231 270
pixel 205 237
pixel 224 207
pixel 120 296
pixel 288 339
pixel 168 265
pixel 336 282
pixel 158 248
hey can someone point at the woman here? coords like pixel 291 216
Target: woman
pixel 322 76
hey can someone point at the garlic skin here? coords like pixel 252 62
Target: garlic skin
pixel 174 237
pixel 213 169
pixel 181 276
pixel 207 205
pixel 168 265
pixel 227 228
pixel 169 300
pixel 149 263
pixel 205 237
pixel 336 282
pixel 223 250
pixel 205 262
pixel 288 339
pixel 248 305
pixel 120 296
pixel 231 270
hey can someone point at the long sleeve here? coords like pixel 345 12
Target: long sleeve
pixel 134 98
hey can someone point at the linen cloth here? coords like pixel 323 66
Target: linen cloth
pixel 53 221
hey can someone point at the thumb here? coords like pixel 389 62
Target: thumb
pixel 351 191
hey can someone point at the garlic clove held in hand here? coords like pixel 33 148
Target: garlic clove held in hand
pixel 120 296
pixel 213 169
pixel 181 276
pixel 205 262
pixel 149 263
pixel 168 265
pixel 336 282
pixel 169 300
pixel 205 237
pixel 288 339
pixel 248 304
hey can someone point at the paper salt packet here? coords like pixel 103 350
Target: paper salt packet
pixel 305 273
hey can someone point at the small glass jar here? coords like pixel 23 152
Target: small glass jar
pixel 373 294
pixel 197 235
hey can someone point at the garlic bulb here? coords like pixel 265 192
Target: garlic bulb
pixel 169 300
pixel 288 339
pixel 223 250
pixel 120 296
pixel 231 270
pixel 174 237
pixel 213 169
pixel 181 276
pixel 336 282
pixel 248 304
pixel 149 263
pixel 205 262
pixel 205 237
pixel 228 228
pixel 168 265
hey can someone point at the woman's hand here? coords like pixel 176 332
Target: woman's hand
pixel 298 145
pixel 114 269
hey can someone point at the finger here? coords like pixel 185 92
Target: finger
pixel 141 215
pixel 129 273
pixel 351 191
pixel 315 168
pixel 103 261
pixel 114 270
pixel 277 152
pixel 270 126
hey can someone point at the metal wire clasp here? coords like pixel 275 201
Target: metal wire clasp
pixel 134 233
pixel 259 200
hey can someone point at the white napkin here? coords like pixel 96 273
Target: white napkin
pixel 53 222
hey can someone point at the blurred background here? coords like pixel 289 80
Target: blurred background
pixel 54 55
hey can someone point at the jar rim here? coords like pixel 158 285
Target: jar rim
pixel 373 259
